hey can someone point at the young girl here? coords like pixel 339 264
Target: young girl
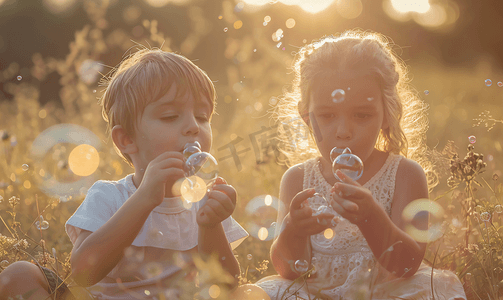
pixel 351 91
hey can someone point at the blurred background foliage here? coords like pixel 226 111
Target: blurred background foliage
pixel 54 52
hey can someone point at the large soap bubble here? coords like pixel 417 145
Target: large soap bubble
pixel 262 212
pixel 350 164
pixel 201 172
pixel 51 151
pixel 423 219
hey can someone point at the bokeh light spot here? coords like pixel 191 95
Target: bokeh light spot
pixel 238 24
pixel 84 160
pixel 262 233
pixel 328 233
pixel 214 291
pixel 349 9
pixel 290 23
pixel 193 189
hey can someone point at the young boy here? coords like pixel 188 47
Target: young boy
pixel 133 237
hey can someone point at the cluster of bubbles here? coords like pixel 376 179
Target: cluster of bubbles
pixel 423 219
pixel 486 216
pixel 349 164
pixel 201 171
pixel 262 212
pixel 489 82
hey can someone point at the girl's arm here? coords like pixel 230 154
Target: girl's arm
pixel 95 254
pixel 406 257
pixel 296 224
pixel 379 230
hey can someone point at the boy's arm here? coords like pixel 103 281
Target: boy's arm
pixel 211 235
pixel 214 240
pixel 95 254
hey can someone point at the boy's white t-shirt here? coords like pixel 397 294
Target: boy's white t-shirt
pixel 161 252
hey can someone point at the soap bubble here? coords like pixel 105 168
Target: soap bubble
pixel 498 209
pixel 426 92
pixel 485 216
pixel 19 78
pixel 191 148
pixel 423 219
pixel 90 70
pixel 338 95
pixel 472 139
pixel 262 212
pixel 193 189
pixel 42 224
pixel 225 29
pixel 301 266
pixel 4 263
pixel 500 84
pixel 50 151
pixel 350 164
pixel 25 167
pixel 249 257
pixel 322 208
pixel 204 165
pixel 335 152
pixel 488 82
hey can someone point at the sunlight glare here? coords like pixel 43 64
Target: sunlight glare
pixel 84 160
pixel 403 6
pixel 311 6
pixel 434 17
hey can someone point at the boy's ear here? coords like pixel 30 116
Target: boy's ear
pixel 123 141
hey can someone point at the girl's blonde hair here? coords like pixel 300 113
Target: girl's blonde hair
pixel 355 50
pixel 143 78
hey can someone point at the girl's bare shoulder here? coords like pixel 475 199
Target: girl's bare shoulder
pixel 292 182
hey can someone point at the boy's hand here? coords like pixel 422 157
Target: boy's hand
pixel 164 170
pixel 302 222
pixel 220 205
pixel 351 200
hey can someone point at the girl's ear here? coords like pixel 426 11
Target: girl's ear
pixel 123 141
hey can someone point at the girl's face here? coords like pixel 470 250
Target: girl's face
pixel 353 120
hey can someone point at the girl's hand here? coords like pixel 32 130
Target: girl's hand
pixel 302 222
pixel 219 206
pixel 351 200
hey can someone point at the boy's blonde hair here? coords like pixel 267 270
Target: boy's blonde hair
pixel 143 78
pixel 357 50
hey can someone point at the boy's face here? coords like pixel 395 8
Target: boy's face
pixel 171 122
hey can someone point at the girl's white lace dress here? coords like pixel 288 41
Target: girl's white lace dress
pixel 345 265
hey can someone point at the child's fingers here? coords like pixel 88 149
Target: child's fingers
pixel 346 204
pixel 221 199
pixel 214 211
pixel 303 213
pixel 227 190
pixel 301 197
pixel 345 178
